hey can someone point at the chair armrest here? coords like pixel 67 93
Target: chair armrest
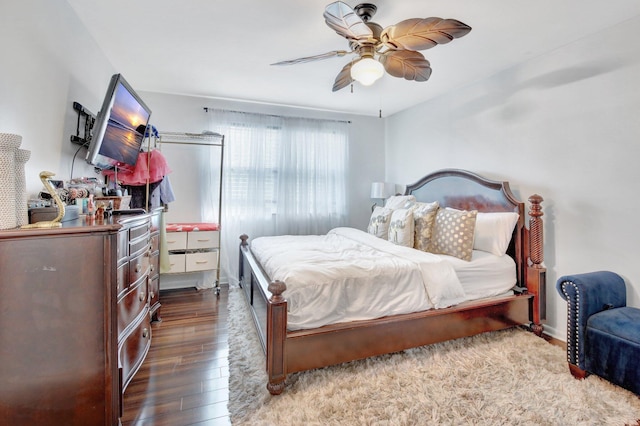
pixel 588 294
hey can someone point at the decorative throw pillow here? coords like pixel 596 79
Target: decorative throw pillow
pixel 379 222
pixel 424 216
pixel 400 202
pixel 401 227
pixel 453 233
pixel 494 231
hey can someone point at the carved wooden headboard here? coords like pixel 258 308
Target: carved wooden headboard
pixel 464 190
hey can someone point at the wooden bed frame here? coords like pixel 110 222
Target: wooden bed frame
pixel 292 351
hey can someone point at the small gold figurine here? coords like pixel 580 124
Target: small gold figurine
pixel 55 223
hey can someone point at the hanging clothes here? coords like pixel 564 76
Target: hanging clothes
pixel 150 167
pixel 160 193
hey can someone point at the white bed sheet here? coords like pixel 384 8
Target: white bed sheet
pixel 486 275
pixel 350 275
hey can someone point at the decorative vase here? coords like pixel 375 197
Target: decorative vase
pixel 9 143
pixel 22 199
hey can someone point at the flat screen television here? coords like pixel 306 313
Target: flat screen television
pixel 119 128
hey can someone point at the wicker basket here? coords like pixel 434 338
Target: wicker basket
pixel 9 143
pixel 22 198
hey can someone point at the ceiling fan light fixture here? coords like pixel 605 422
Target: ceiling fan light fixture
pixel 366 71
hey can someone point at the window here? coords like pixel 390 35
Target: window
pixel 282 175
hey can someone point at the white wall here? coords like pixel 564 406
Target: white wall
pixel 564 125
pixel 48 62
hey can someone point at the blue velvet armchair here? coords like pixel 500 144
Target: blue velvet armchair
pixel 603 333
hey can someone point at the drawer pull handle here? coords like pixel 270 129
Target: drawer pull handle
pixel 200 262
pixel 203 240
pixel 145 333
pixel 142 296
pixel 152 268
pixel 138 267
pixel 152 295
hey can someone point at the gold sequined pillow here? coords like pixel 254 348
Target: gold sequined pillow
pixel 379 222
pixel 453 233
pixel 424 216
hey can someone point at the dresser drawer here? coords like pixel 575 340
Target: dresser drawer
pixel 155 242
pixel 139 246
pixel 202 261
pixel 154 290
pixel 155 222
pixel 176 241
pixel 138 231
pixel 154 264
pixel 177 263
pixel 131 304
pixel 203 239
pixel 122 248
pixel 138 266
pixel 134 349
pixel 122 278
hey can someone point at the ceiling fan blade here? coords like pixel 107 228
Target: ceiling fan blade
pixel 407 64
pixel 421 34
pixel 332 54
pixel 343 79
pixel 342 18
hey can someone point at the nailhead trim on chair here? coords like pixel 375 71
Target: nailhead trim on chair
pixel 572 320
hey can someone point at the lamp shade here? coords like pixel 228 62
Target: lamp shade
pixel 379 190
pixel 366 71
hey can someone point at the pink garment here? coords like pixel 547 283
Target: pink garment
pixel 150 165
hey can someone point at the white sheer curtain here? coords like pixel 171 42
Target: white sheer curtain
pixel 282 175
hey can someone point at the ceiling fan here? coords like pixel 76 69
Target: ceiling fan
pixel 392 49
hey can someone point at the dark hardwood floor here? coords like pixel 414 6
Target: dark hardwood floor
pixel 184 379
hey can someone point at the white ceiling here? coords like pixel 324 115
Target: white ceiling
pixel 223 48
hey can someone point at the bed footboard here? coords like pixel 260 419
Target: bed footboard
pixel 269 312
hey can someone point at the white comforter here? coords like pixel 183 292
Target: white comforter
pixel 350 275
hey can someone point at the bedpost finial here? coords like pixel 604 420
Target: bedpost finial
pixel 536 208
pixel 244 238
pixel 276 288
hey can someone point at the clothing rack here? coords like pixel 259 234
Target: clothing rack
pixel 201 139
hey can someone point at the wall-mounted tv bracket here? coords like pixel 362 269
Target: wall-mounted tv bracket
pixel 89 120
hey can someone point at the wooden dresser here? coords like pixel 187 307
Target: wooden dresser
pixel 76 305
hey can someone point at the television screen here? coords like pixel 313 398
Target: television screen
pixel 119 128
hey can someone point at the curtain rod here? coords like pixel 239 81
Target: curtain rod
pixel 190 138
pixel 190 143
pixel 207 109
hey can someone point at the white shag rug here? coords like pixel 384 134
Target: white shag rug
pixel 500 378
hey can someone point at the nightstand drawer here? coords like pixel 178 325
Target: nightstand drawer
pixel 203 239
pixel 177 263
pixel 176 241
pixel 202 261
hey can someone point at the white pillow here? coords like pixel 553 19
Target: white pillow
pixel 400 202
pixel 401 227
pixel 379 222
pixel 493 231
